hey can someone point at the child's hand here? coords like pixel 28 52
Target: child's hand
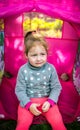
pixel 33 109
pixel 45 106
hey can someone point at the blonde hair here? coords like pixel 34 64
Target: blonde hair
pixel 34 39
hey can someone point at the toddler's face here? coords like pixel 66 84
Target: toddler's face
pixel 37 56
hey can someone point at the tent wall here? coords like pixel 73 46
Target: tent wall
pixel 14 58
pixel 13 43
pixel 69 11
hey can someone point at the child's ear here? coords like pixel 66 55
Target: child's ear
pixel 25 56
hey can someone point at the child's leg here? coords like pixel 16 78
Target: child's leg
pixel 54 117
pixel 25 119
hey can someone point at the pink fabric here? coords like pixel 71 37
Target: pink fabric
pixel 69 32
pixel 63 9
pixel 14 56
pixel 68 98
pixel 3 113
pixel 8 98
pixel 16 29
pixel 62 51
pixel 51 102
pixel 62 55
pixel 55 119
pixel 68 10
pixel 28 105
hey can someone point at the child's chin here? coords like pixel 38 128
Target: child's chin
pixel 39 65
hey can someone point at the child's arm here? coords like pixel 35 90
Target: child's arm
pixel 20 89
pixel 55 86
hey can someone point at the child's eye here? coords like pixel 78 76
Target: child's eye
pixel 34 55
pixel 43 54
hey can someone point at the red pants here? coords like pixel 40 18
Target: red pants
pixel 53 116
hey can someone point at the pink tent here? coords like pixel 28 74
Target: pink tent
pixel 65 48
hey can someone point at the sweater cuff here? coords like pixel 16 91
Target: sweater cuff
pixel 28 105
pixel 51 102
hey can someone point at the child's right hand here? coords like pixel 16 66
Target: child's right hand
pixel 33 109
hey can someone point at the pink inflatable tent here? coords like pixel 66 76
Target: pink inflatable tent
pixel 62 51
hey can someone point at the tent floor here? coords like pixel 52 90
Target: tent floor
pixel 11 125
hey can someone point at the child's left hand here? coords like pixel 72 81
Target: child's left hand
pixel 45 106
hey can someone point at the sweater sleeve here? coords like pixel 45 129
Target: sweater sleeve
pixel 51 102
pixel 27 106
pixel 20 89
pixel 55 86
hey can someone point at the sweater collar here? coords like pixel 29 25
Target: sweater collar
pixel 33 67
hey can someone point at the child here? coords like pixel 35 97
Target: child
pixel 38 87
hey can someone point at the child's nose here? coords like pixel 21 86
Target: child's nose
pixel 38 57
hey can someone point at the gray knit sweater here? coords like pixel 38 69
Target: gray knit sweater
pixel 37 82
